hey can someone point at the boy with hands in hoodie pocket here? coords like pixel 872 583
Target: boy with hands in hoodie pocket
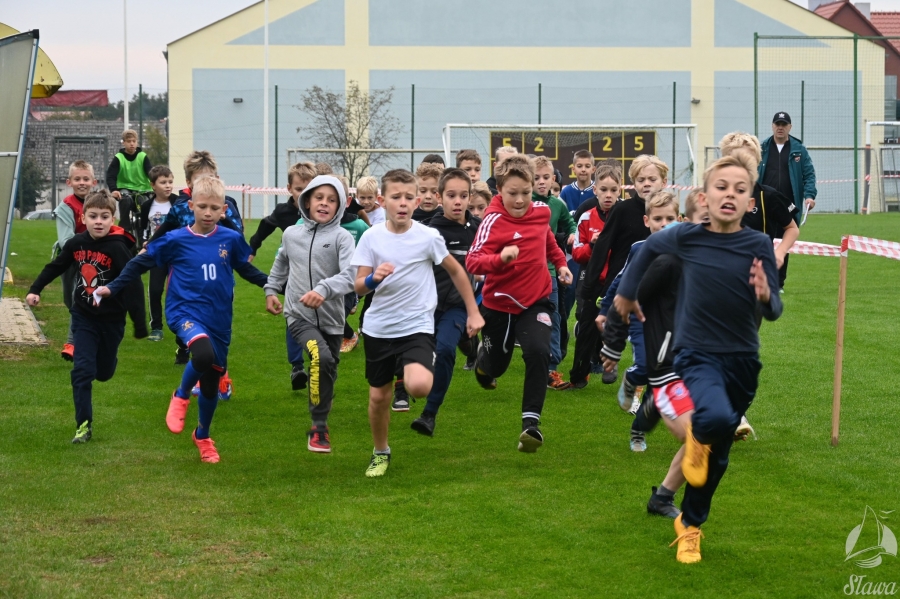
pixel 314 264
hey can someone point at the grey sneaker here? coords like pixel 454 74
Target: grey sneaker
pixel 156 335
pixel 662 506
pixel 609 378
pixel 401 398
pixel 626 396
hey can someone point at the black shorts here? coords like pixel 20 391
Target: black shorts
pixel 383 355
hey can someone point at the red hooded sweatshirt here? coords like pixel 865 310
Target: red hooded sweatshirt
pixel 515 286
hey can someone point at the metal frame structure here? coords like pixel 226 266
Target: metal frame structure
pixel 72 140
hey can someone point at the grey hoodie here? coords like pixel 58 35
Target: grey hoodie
pixel 315 257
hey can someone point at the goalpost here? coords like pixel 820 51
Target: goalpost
pixel 881 182
pixel 674 143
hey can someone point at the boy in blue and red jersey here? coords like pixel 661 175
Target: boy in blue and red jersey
pixel 201 259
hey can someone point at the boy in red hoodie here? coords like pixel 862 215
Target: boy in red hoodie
pixel 513 246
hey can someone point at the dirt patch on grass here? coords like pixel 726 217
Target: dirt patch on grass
pixel 99 560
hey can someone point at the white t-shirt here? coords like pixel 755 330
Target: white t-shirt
pixel 156 216
pixel 376 216
pixel 780 147
pixel 404 302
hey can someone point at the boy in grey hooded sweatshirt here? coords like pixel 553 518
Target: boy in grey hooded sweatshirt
pixel 314 263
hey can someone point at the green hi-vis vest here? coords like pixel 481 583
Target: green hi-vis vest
pixel 131 173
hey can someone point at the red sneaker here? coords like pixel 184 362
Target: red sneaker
pixel 207 449
pixel 319 440
pixel 177 411
pixel 225 387
pixel 68 352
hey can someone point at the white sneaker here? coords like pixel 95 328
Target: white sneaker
pixel 744 430
pixel 635 405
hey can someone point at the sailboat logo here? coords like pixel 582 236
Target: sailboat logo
pixel 871 539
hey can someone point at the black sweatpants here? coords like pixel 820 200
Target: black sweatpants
pixel 587 341
pixel 96 350
pixel 532 328
pixel 324 355
pixel 156 289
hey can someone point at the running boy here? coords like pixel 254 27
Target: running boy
pixel 314 264
pixel 729 273
pixel 581 189
pixel 367 196
pixel 513 246
pixel 201 259
pixel 560 220
pixel 624 226
pixel 70 222
pixel 427 176
pixel 98 254
pixel 607 184
pixel 153 213
pixel 457 228
pixel 657 295
pixel 395 261
pixel 197 165
pixel 469 161
pixel 480 199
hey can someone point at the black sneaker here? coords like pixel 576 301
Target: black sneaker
pixel 401 398
pixel 662 506
pixel 424 425
pixel 470 364
pixel 182 356
pixel 609 378
pixel 486 381
pixel 530 439
pixel 298 378
pixel 573 386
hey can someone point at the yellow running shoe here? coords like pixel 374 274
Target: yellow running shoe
pixel 695 465
pixel 379 464
pixel 688 540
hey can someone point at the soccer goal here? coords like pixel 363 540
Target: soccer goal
pixel 881 159
pixel 673 143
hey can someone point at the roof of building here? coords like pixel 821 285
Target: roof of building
pixel 888 23
pixel 829 10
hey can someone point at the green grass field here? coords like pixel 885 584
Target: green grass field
pixel 135 514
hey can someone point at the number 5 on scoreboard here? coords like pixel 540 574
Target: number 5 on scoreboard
pixel 638 143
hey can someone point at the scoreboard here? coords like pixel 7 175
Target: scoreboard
pixel 560 146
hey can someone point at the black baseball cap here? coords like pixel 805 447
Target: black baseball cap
pixel 781 116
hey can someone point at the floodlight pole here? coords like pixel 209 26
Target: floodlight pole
pixel 125 33
pixel 266 108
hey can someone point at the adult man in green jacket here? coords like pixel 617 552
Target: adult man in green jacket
pixel 787 167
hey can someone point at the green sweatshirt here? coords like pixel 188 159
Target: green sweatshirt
pixel 560 219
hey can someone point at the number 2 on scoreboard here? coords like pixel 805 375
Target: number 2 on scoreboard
pixel 538 144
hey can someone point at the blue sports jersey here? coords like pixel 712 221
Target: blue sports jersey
pixel 201 277
pixel 181 215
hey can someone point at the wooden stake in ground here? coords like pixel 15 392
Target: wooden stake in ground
pixel 839 346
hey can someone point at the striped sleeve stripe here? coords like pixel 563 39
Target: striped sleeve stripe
pixel 484 231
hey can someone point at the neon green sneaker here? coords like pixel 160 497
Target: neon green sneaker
pixel 379 464
pixel 82 433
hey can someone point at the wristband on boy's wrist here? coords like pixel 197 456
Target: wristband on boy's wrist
pixel 370 281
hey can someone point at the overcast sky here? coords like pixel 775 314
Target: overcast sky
pixel 84 38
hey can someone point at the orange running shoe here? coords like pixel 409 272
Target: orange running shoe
pixel 695 465
pixel 68 352
pixel 225 387
pixel 177 411
pixel 688 541
pixel 207 449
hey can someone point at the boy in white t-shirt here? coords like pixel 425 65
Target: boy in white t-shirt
pixel 153 213
pixel 395 260
pixel 367 196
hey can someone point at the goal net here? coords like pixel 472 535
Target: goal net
pixel 881 167
pixel 673 143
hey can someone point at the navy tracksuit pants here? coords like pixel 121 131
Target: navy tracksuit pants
pixel 723 387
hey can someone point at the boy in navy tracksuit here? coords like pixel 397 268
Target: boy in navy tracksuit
pixel 729 273
pixel 457 227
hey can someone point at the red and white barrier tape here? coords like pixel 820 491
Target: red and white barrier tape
pixel 810 248
pixel 876 247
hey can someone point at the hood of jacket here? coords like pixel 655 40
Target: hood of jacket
pixel 319 181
